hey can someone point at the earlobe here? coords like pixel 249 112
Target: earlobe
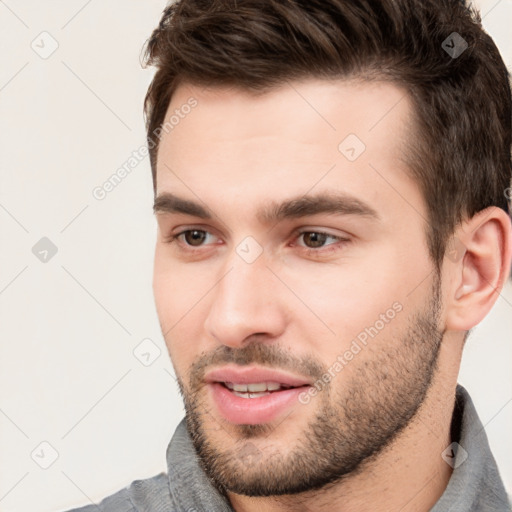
pixel 477 277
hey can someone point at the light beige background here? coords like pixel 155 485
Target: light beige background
pixel 69 327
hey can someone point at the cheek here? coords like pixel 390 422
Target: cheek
pixel 369 298
pixel 344 296
pixel 179 294
pixel 183 351
pixel 177 289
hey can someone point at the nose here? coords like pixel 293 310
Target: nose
pixel 246 301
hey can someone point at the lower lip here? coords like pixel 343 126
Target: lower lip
pixel 253 411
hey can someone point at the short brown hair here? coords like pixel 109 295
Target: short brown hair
pixel 460 155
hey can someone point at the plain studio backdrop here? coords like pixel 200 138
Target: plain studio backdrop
pixel 88 400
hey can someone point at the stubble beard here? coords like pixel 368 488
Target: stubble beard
pixel 352 425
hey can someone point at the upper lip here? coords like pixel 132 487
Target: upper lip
pixel 253 374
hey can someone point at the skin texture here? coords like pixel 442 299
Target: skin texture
pixel 384 418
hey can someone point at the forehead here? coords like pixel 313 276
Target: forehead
pixel 336 134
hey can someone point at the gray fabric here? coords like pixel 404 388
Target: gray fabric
pixel 475 485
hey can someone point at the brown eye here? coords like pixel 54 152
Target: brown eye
pixel 313 239
pixel 194 237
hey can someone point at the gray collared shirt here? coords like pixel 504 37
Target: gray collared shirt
pixel 475 484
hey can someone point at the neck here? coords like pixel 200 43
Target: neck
pixel 409 475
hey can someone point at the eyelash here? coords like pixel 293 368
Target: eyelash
pixel 309 250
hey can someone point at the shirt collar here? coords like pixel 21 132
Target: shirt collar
pixel 475 484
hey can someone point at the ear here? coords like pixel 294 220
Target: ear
pixel 477 264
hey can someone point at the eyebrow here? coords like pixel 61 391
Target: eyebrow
pixel 307 205
pixel 169 203
pixel 294 208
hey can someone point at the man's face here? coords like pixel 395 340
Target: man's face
pixel 302 272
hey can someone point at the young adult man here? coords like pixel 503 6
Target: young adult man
pixel 331 183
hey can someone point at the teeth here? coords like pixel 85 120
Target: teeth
pixel 256 387
pixel 250 395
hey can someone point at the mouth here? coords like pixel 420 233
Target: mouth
pixel 256 389
pixel 254 395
